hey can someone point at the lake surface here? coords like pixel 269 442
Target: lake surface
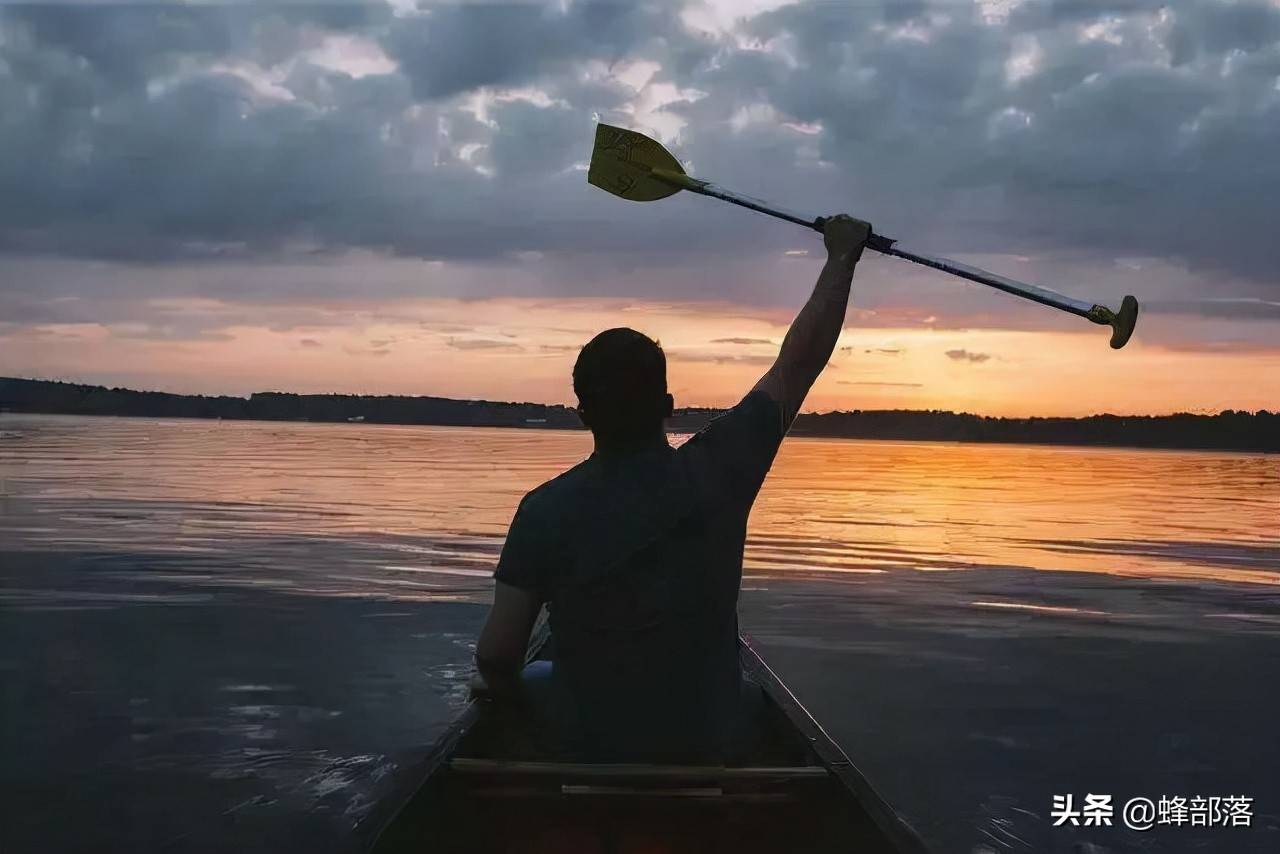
pixel 239 635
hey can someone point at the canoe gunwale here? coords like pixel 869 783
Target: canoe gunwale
pixel 885 817
pixel 385 813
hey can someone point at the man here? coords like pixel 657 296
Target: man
pixel 637 551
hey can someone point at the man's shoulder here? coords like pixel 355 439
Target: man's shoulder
pixel 756 413
pixel 730 457
pixel 553 496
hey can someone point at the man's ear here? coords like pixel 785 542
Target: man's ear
pixel 669 406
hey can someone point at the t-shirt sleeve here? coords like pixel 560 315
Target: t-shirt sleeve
pixel 733 453
pixel 526 551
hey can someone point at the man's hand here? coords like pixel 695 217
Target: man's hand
pixel 845 237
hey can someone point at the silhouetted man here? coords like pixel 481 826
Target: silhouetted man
pixel 637 551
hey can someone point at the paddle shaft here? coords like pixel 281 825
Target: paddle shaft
pixel 889 246
pixel 1035 293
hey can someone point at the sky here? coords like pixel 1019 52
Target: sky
pixel 392 198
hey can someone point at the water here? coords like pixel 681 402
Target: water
pixel 227 635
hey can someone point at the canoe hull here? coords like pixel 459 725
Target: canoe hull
pixel 799 794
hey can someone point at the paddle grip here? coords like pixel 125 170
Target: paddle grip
pixel 878 242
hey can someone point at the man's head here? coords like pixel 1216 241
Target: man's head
pixel 621 382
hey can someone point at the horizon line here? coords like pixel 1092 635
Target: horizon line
pixel 1171 414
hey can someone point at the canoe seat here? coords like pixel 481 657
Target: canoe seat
pixel 647 773
pixel 707 784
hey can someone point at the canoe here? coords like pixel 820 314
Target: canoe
pixel 482 790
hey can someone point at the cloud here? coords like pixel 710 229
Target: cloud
pixel 874 383
pixel 719 358
pixel 310 343
pixel 126 45
pixel 967 356
pixel 460 47
pixel 376 352
pixel 884 351
pixel 1230 307
pixel 741 341
pixel 248 152
pixel 250 143
pixel 1100 144
pixel 481 344
pixel 166 332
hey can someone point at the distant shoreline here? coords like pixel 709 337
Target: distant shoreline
pixel 792 434
pixel 1226 431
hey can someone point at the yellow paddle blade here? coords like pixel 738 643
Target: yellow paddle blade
pixel 633 166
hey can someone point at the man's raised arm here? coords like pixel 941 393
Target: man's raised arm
pixel 813 334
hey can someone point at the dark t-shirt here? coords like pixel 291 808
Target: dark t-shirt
pixel 639 560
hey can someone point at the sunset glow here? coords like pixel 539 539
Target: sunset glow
pixel 524 350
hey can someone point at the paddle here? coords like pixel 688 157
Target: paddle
pixel 635 167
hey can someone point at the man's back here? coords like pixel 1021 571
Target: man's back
pixel 638 556
pixel 637 552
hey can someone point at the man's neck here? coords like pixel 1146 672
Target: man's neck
pixel 627 446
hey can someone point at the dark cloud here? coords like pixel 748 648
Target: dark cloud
pixel 1037 14
pixel 460 47
pixel 1096 142
pixel 538 141
pixel 743 341
pixel 1213 29
pixel 126 44
pixel 310 343
pixel 967 356
pixel 1076 132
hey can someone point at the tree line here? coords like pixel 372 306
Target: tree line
pixel 1229 430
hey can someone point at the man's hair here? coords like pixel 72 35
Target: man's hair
pixel 621 382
